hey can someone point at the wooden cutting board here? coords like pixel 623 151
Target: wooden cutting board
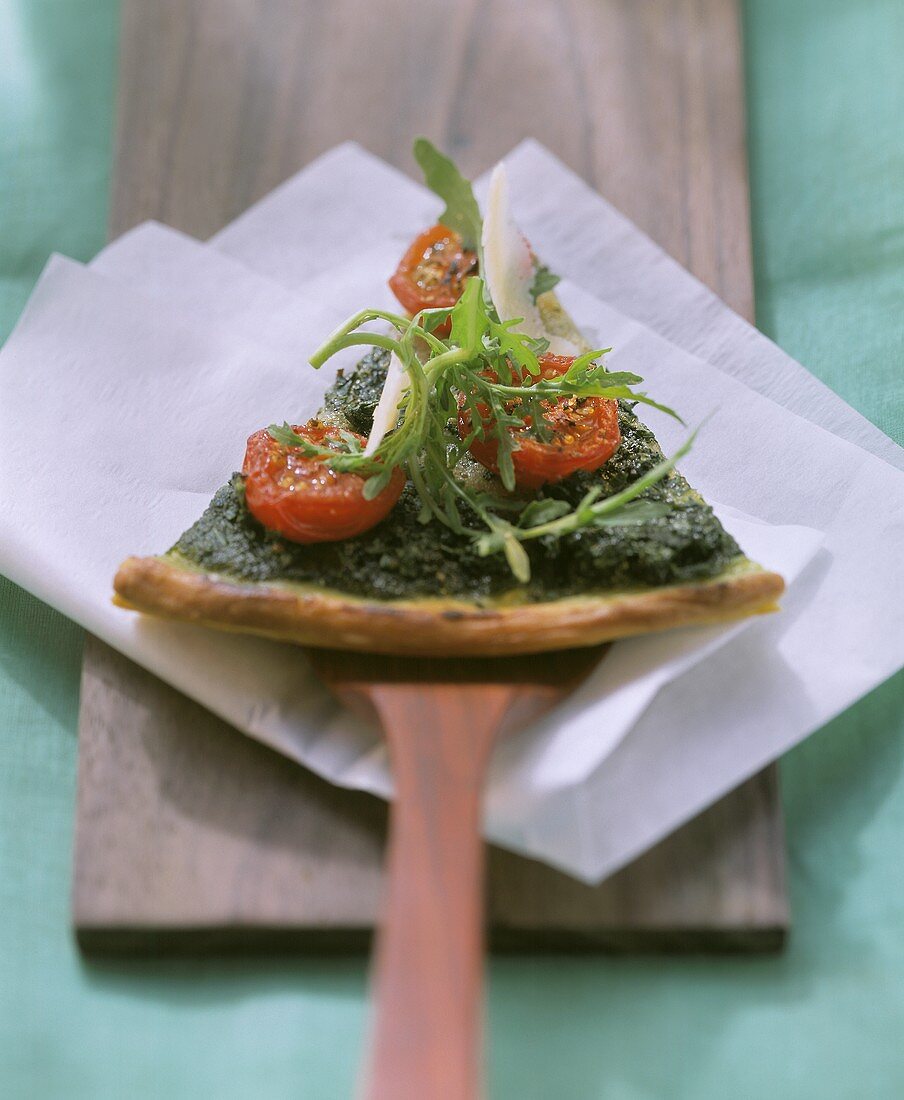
pixel 190 836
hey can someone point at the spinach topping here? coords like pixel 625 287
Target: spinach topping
pixel 402 557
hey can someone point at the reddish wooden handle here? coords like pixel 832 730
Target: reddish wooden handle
pixel 426 1039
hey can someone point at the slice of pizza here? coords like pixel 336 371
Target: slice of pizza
pixel 480 484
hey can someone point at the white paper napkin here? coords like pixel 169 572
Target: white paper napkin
pixel 176 385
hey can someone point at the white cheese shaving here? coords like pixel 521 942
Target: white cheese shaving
pixel 386 414
pixel 508 266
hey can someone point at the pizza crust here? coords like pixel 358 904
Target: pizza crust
pixel 432 627
pixel 312 616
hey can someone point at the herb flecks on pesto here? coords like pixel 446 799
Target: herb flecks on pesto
pixel 402 557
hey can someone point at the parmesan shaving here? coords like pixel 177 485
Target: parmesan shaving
pixel 386 413
pixel 508 266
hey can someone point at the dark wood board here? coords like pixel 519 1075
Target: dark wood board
pixel 191 837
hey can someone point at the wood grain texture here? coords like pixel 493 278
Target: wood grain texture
pixel 428 960
pixel 191 837
pixel 220 100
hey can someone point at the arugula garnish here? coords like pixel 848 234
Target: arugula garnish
pixel 462 212
pixel 544 280
pixel 494 371
pixel 555 518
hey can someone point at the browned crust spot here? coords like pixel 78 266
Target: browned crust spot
pixel 434 627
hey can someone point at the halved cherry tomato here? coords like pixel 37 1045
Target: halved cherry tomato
pixel 432 273
pixel 303 498
pixel 584 430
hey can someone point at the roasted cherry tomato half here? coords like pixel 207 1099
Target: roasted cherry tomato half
pixel 303 498
pixel 584 435
pixel 432 273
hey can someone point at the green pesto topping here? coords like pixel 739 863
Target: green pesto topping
pixel 403 557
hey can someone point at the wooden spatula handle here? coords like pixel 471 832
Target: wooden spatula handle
pixel 426 1038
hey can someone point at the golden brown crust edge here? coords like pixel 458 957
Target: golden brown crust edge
pixel 434 628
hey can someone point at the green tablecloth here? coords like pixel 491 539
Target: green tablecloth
pixel 826 92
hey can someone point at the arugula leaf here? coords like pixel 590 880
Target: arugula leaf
pixel 544 280
pixel 376 483
pixel 543 511
pixel 286 436
pixel 469 317
pixel 462 212
pixel 517 558
pixel 635 511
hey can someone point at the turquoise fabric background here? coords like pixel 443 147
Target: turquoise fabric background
pixel 824 1020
